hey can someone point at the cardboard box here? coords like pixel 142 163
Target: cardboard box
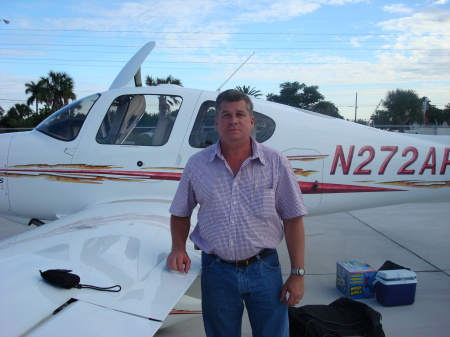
pixel 355 279
pixel 395 287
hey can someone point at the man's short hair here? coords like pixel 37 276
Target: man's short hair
pixel 233 95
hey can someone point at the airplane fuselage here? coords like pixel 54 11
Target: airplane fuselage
pixel 339 165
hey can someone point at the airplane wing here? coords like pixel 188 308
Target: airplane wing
pixel 124 243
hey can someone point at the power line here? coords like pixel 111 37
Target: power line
pixel 215 33
pixel 351 52
pixel 223 48
pixel 221 63
pixel 209 16
pixel 202 39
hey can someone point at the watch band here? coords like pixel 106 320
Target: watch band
pixel 298 271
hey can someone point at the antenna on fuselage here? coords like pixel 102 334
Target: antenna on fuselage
pixel 235 71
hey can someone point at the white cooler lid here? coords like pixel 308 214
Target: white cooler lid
pixel 396 275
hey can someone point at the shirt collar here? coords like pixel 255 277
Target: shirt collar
pixel 257 152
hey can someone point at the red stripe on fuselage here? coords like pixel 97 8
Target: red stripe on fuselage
pixel 306 187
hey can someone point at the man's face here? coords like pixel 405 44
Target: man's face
pixel 234 122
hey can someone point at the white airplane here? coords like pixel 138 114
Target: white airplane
pixel 102 171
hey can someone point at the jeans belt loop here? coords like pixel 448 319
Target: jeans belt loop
pixel 258 258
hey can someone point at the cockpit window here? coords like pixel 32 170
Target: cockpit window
pixel 205 134
pixel 65 124
pixel 139 120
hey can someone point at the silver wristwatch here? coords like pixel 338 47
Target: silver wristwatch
pixel 298 271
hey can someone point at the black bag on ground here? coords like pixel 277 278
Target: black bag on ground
pixel 343 317
pixel 389 265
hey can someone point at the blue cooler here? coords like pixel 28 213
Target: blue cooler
pixel 395 287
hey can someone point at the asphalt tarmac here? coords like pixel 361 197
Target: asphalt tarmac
pixel 415 235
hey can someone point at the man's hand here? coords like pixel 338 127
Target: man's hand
pixel 179 260
pixel 295 286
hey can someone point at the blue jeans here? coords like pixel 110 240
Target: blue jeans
pixel 226 288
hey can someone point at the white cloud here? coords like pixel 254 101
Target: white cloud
pixel 397 8
pixel 422 39
pixel 428 22
pixel 200 15
pixel 266 11
pixel 440 2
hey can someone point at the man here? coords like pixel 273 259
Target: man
pixel 249 198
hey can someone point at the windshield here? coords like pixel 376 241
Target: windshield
pixel 65 124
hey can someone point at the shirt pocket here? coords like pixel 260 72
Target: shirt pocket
pixel 263 202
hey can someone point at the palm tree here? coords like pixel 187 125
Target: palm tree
pixel 17 117
pixel 150 81
pixel 61 86
pixel 35 89
pixel 55 90
pixel 46 94
pixel 249 91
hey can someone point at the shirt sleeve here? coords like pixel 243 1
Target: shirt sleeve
pixel 184 201
pixel 288 196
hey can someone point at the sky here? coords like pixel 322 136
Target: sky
pixel 355 51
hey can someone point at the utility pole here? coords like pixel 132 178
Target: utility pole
pixel 356 105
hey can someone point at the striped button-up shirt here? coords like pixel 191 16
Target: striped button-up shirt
pixel 238 215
